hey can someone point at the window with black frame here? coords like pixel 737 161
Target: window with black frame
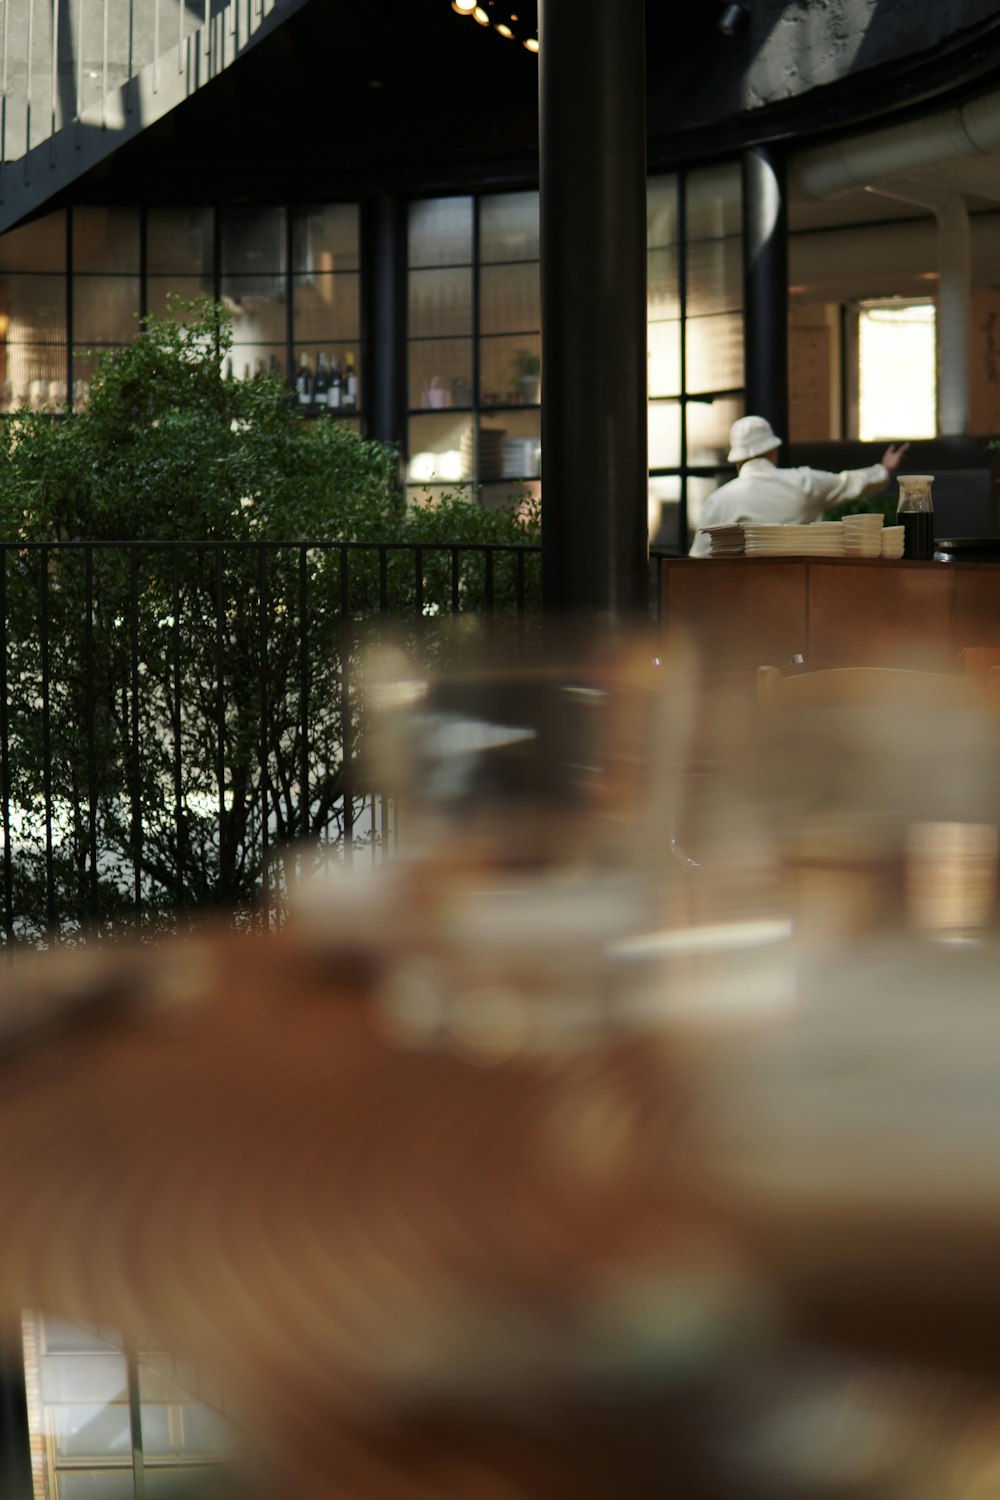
pixel 75 283
pixel 474 369
pixel 474 344
pixel 695 330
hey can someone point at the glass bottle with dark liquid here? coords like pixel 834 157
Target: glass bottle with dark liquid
pixel 915 513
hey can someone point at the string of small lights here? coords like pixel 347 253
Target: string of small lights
pixel 514 21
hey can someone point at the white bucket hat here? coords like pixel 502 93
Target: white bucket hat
pixel 749 437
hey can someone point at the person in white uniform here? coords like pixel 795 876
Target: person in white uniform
pixel 764 493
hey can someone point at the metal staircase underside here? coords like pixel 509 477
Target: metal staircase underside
pixel 79 78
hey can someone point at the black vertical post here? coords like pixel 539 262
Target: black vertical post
pixel 592 118
pixel 384 242
pixel 765 300
pixel 15 1446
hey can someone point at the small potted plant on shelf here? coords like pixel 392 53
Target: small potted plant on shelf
pixel 528 376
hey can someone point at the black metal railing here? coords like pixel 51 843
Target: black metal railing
pixel 181 724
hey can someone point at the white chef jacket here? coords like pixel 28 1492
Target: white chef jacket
pixel 763 493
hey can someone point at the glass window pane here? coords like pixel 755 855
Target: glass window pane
pixel 507 494
pixel 33 309
pixel 159 288
pixel 664 434
pixel 715 353
pixel 699 488
pixel 34 375
pixel 62 1337
pixel 205 1431
pixel 192 1482
pixel 91 1431
pixel 663 297
pixel 664 345
pixel 440 303
pixel 663 511
pixel 84 366
pixel 100 1484
pixel 154 1419
pixel 515 438
pixel 897 371
pixel 714 277
pixel 327 380
pixel 508 227
pixel 440 447
pixel 38 246
pixel 326 239
pixel 253 241
pixel 440 232
pixel 179 241
pixel 106 239
pixel 105 309
pixel 258 306
pixel 510 299
pixel 326 308
pixel 259 359
pixel 713 202
pixel 661 212
pixel 92 1378
pixel 708 427
pixel 440 372
pixel 510 370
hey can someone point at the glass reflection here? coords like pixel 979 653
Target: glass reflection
pixel 440 372
pixel 440 232
pixel 509 227
pixel 440 303
pixel 105 309
pixel 510 299
pixel 106 238
pixel 664 434
pixel 715 353
pixel 326 239
pixel 253 243
pixel 179 241
pixel 38 246
pixel 325 308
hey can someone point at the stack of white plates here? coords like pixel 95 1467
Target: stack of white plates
pixel 821 539
pixel 863 535
pixel 727 539
pixel 892 541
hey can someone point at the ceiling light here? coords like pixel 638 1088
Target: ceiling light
pixel 532 44
pixel 480 15
pixel 464 7
pixel 504 30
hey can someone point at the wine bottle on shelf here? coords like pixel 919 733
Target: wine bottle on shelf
pixel 303 381
pixel 350 382
pixel 321 388
pixel 229 368
pixel 258 369
pixel 246 370
pixel 335 394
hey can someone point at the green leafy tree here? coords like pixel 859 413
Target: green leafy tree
pixel 176 715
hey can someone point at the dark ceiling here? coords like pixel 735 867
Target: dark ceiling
pixel 407 95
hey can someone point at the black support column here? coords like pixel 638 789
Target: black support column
pixel 384 257
pixel 765 302
pixel 15 1448
pixel 592 117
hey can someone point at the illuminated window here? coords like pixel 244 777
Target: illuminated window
pixel 897 370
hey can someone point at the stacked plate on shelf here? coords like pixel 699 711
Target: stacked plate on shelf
pixel 820 539
pixel 863 535
pixel 726 539
pixel 892 541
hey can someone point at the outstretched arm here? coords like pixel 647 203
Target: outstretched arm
pixel 893 457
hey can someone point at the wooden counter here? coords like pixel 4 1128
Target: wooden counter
pixel 744 612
